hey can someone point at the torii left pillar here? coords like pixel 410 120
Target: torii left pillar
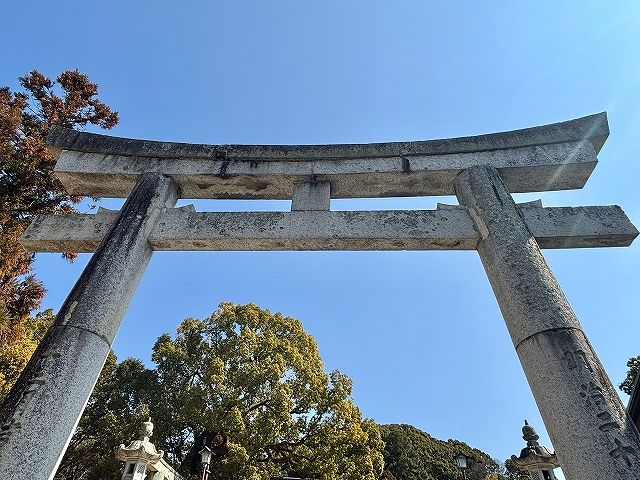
pixel 44 407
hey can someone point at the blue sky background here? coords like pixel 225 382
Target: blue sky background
pixel 419 333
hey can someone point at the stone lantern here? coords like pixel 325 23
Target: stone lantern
pixel 534 458
pixel 138 454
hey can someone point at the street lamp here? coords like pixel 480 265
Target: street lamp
pixel 205 459
pixel 461 461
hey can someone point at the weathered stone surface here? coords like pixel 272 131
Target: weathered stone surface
pixel 578 227
pixel 37 431
pixel 446 228
pixel 310 196
pixel 593 128
pixel 525 169
pixel 551 157
pixel 593 437
pixel 573 392
pixel 41 411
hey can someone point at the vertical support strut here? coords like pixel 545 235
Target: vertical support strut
pixel 44 406
pixel 311 196
pixel 593 437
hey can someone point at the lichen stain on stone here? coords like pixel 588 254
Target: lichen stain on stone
pixel 406 167
pixel 223 170
pixel 67 316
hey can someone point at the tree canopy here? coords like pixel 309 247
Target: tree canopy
pixel 411 454
pixel 15 351
pixel 114 413
pixel 259 378
pixel 27 184
pixel 247 373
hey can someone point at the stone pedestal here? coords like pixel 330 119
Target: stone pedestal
pixel 591 433
pixel 43 408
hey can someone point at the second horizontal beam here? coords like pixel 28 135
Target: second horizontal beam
pixel 443 229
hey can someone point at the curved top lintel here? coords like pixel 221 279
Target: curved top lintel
pixel 593 128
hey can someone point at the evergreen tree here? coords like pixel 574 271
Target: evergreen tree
pixel 627 385
pixel 411 454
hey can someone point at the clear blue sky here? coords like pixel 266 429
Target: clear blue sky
pixel 418 332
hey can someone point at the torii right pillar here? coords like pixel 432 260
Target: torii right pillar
pixel 590 430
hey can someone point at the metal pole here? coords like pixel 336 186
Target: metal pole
pixel 205 471
pixel 593 437
pixel 43 408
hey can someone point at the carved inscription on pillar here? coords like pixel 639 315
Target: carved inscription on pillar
pixel 593 395
pixel 577 360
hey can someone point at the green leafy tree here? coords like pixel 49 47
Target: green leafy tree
pixel 258 377
pixel 27 184
pixel 242 371
pixel 627 385
pixel 118 406
pixel 15 351
pixel 510 471
pixel 411 454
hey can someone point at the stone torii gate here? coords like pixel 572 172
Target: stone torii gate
pixel 593 436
